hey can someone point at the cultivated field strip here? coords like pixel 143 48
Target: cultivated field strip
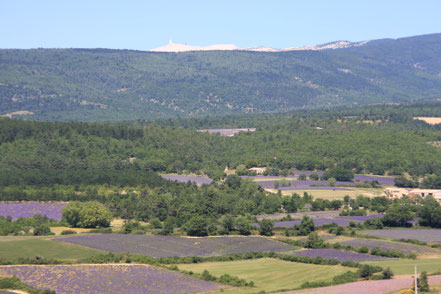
pixel 338 255
pixel 405 248
pixel 52 210
pixel 109 278
pixel 167 246
pixel 426 235
pixel 199 180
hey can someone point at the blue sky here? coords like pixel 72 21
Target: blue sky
pixel 149 24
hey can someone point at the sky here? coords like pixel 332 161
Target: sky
pixel 147 24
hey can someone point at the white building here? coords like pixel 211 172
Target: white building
pixel 396 193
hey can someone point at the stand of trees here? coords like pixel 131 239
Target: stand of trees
pixel 364 140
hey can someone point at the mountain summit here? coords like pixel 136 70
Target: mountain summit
pixel 175 47
pixel 105 84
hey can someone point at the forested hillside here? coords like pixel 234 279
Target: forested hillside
pixel 102 84
pixel 370 140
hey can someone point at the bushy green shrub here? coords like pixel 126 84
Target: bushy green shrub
pixel 387 273
pixel 68 232
pixel 90 214
pixel 347 277
pixel 266 227
pixel 41 230
pixel 362 249
pixel 196 226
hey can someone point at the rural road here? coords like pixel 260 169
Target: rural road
pixel 367 287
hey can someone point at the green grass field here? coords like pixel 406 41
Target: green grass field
pixel 406 266
pixel 268 274
pixel 29 247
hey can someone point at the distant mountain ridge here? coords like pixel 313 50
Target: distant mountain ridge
pixel 105 84
pixel 175 47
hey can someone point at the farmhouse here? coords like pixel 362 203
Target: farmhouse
pixel 258 170
pixel 427 192
pixel 395 193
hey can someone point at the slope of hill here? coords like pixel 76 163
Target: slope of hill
pixel 102 84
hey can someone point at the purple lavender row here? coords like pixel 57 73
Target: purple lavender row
pixel 317 222
pixel 53 210
pixel 315 188
pixel 99 279
pixel 426 235
pixel 358 178
pixel 227 132
pixel 362 217
pixel 338 255
pixel 184 179
pixel 388 245
pixel 167 246
pixel 299 215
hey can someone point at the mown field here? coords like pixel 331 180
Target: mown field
pixel 406 266
pixel 333 194
pixel 268 274
pixel 30 247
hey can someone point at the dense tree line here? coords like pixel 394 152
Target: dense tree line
pixel 365 140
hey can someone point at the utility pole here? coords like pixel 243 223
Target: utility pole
pixel 416 280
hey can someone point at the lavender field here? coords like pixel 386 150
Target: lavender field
pixel 405 248
pixel 53 210
pixel 317 222
pixel 305 184
pixel 166 246
pixel 338 254
pixel 425 235
pixel 299 215
pixel 320 221
pixel 363 218
pixel 107 279
pixel 199 180
pixel 227 132
pixel 358 179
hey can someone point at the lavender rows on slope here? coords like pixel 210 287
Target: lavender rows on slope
pixel 107 279
pixel 166 246
pixel 363 217
pixel 358 179
pixel 302 183
pixel 337 254
pixel 425 235
pixel 327 188
pixel 388 245
pixel 317 222
pixel 28 209
pixel 184 179
pixel 299 215
pixel 389 181
pixel 227 132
